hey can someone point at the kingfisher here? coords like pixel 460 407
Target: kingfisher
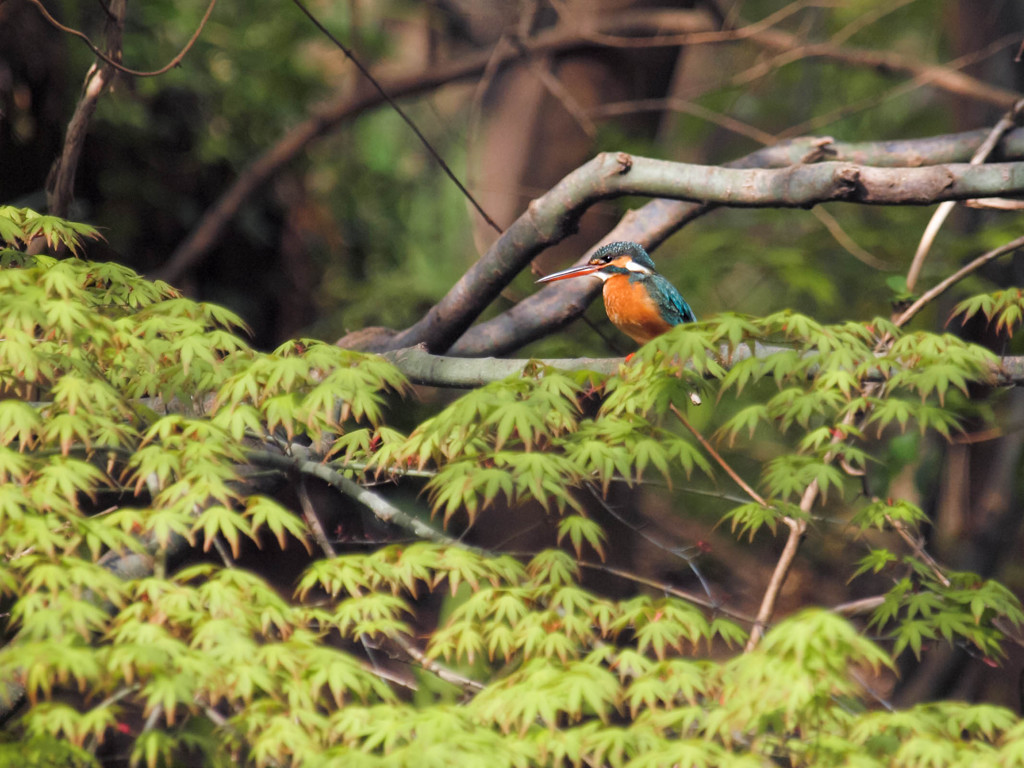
pixel 640 302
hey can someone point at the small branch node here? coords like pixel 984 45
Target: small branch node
pixel 848 179
pixel 821 149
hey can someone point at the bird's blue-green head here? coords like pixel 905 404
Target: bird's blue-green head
pixel 621 258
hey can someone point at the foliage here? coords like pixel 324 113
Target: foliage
pixel 130 419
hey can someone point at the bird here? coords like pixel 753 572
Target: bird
pixel 640 302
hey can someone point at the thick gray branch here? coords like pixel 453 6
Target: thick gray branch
pixel 655 221
pixel 551 217
pixel 421 367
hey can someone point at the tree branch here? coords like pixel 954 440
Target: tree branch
pixel 736 477
pixel 667 588
pixel 112 60
pixel 422 367
pixel 687 26
pixel 785 562
pixel 60 184
pixel 399 111
pixel 658 219
pixel 381 507
pixel 408 648
pixel 956 277
pixel 1005 123
pixel 792 47
pixel 215 219
pixel 554 215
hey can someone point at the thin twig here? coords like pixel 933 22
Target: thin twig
pixel 225 556
pixel 857 607
pixel 320 535
pixel 867 19
pixel 117 65
pixel 439 670
pixel 919 550
pixel 727 35
pixel 938 75
pixel 960 274
pixel 667 588
pixel 944 76
pixel 60 184
pixel 674 551
pixel 797 528
pixel 995 203
pixel 401 113
pixel 1006 123
pixel 863 683
pixel 688 107
pixel 407 646
pixel 542 71
pixel 719 460
pixel 850 245
pixel 316 528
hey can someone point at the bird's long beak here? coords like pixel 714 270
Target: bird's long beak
pixel 586 269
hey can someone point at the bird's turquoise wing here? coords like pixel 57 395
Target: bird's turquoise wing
pixel 671 303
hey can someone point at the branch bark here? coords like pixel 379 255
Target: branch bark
pixel 335 113
pixel 422 367
pixel 60 185
pixel 382 509
pixel 1006 122
pixel 632 28
pixel 658 219
pixel 553 216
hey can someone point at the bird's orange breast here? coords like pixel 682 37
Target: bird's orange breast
pixel 631 309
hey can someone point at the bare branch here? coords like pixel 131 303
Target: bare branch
pixel 654 222
pixel 422 367
pixel 407 647
pixel 553 216
pixel 917 546
pixel 797 528
pixel 848 244
pixel 381 507
pixel 688 26
pixel 60 185
pixel 399 111
pixel 688 107
pixel 858 607
pixel 945 76
pixel 665 587
pixel 112 60
pixel 867 19
pixel 956 277
pixel 1006 122
pixel 736 478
